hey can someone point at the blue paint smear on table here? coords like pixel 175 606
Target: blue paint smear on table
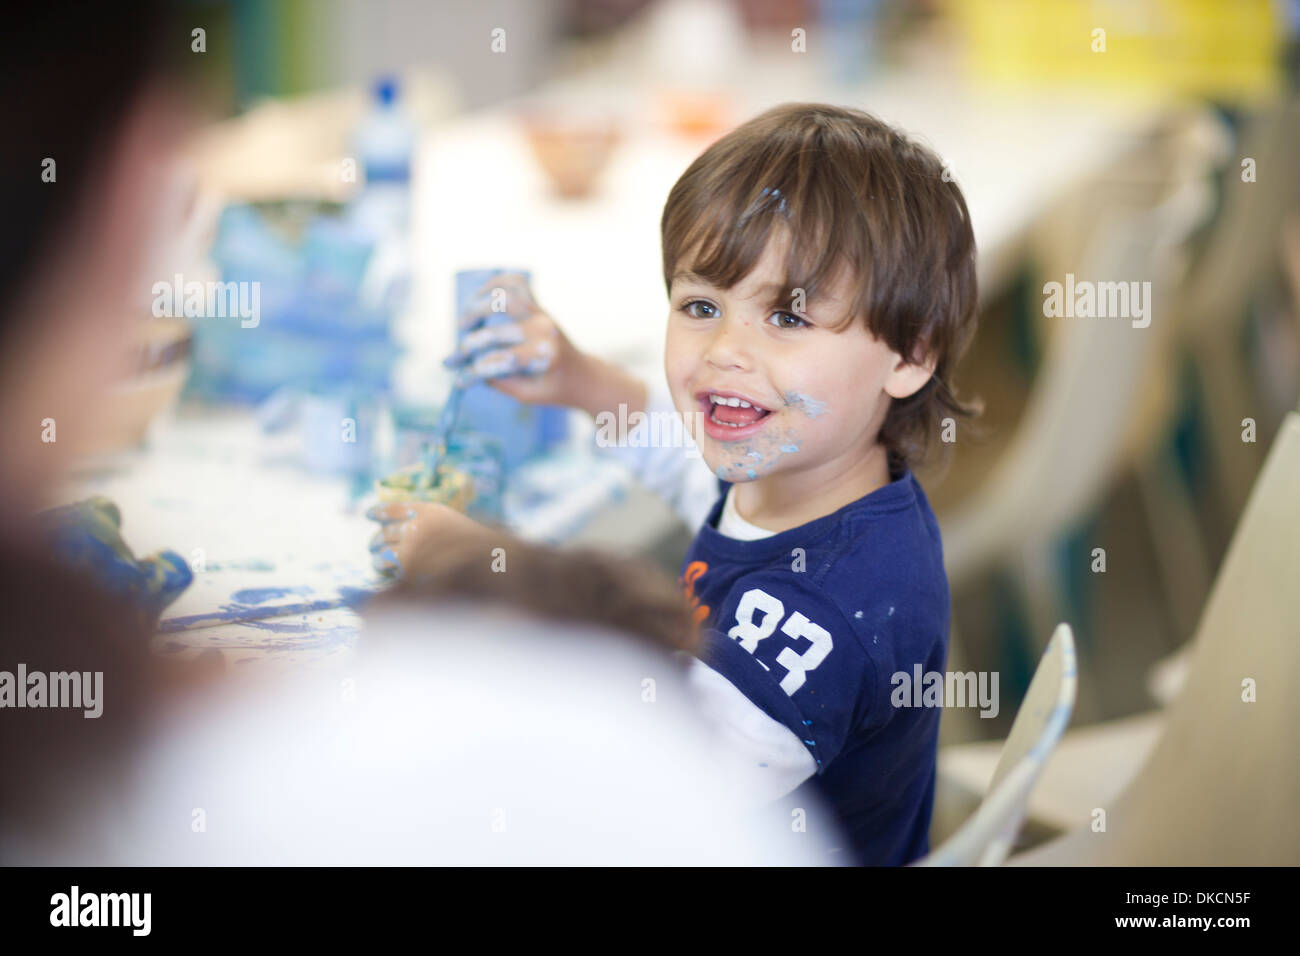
pixel 262 595
pixel 240 566
pixel 300 628
pixel 356 598
pixel 245 613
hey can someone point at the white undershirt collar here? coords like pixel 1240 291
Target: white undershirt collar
pixel 733 525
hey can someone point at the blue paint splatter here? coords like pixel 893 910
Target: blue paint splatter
pixel 262 595
pixel 750 473
pixel 789 449
pixel 244 613
pixel 240 566
pixel 355 597
pixel 281 627
pixel 808 405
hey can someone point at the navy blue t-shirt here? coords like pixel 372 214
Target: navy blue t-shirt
pixel 811 624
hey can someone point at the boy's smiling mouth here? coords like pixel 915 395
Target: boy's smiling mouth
pixel 731 416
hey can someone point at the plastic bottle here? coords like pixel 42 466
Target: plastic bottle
pixel 384 142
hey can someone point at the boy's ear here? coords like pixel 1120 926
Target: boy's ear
pixel 907 378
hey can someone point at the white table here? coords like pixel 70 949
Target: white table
pixel 262 532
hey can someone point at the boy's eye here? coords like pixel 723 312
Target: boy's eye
pixel 689 309
pixel 783 320
pixel 782 324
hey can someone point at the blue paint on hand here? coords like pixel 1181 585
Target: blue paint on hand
pixel 385 562
pixel 87 536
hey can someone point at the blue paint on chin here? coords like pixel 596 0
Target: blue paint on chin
pixel 789 449
pixel 750 473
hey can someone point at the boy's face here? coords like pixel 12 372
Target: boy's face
pixel 821 395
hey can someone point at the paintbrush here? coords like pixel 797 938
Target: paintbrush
pixel 436 449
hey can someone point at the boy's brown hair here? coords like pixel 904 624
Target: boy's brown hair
pixel 853 192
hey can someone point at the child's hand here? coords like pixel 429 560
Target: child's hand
pixel 88 536
pixel 516 347
pixel 417 539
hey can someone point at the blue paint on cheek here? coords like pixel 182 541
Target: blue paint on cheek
pixel 805 403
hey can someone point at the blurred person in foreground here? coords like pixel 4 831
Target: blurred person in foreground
pixel 530 731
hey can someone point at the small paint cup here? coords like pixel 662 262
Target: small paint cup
pixel 452 487
pixel 482 458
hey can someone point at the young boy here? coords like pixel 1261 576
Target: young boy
pixel 821 275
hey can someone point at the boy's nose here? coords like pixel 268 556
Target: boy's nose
pixel 731 345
